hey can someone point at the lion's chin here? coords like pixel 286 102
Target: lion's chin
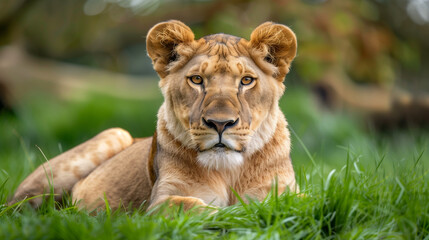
pixel 220 159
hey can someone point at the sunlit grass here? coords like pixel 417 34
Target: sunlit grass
pixel 350 202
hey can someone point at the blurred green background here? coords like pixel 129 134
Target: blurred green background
pixel 72 68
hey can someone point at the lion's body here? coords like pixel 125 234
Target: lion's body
pixel 124 178
pixel 219 128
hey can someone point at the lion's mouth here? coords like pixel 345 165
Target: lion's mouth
pixel 219 145
pixel 213 144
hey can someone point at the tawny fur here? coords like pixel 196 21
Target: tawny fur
pixel 62 172
pixel 191 161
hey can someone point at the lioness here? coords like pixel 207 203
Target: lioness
pixel 219 128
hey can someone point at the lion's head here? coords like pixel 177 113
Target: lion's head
pixel 221 92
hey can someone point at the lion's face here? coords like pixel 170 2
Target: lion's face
pixel 221 103
pixel 221 95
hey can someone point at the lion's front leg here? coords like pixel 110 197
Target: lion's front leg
pixel 64 171
pixel 175 192
pixel 188 191
pixel 187 202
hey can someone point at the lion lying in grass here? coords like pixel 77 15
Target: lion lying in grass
pixel 219 128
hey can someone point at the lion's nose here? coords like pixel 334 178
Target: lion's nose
pixel 220 126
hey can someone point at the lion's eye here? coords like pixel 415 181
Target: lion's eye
pixel 196 79
pixel 247 80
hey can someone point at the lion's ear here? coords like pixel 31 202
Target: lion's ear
pixel 161 41
pixel 278 44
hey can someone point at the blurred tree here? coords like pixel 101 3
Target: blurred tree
pixel 11 13
pixel 4 99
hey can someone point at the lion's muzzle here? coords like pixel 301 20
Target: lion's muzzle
pixel 220 125
pixel 220 113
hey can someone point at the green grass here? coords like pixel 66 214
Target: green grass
pixel 355 183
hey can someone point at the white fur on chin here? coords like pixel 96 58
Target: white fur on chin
pixel 220 159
